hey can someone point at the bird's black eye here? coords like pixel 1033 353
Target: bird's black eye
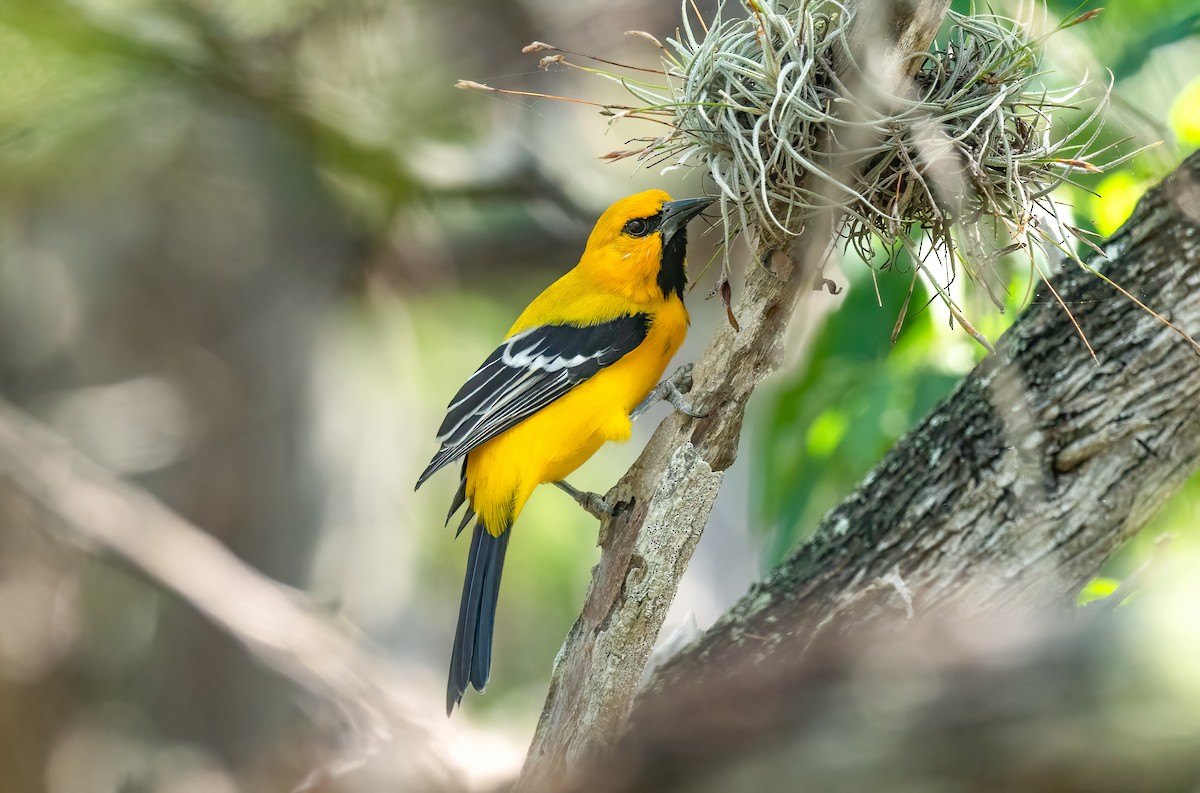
pixel 638 227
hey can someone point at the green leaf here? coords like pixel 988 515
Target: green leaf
pixel 1097 589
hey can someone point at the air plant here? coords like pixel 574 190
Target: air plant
pixel 959 169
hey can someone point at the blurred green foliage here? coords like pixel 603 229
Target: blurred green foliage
pixel 839 413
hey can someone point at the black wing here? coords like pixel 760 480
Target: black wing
pixel 525 374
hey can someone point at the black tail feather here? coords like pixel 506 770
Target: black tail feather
pixel 471 659
pixel 481 664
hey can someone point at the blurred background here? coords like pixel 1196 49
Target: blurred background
pixel 248 251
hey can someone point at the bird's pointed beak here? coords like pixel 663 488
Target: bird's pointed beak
pixel 676 214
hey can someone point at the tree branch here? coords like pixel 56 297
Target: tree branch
pixel 673 484
pixel 973 706
pixel 1019 486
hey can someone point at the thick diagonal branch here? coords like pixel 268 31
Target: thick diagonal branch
pixel 1019 486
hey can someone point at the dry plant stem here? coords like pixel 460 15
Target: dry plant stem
pixel 1021 484
pixel 673 484
pixel 89 507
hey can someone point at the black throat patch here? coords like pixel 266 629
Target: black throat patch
pixel 672 277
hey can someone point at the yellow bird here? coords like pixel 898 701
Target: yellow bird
pixel 577 366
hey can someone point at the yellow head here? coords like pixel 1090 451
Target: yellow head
pixel 638 246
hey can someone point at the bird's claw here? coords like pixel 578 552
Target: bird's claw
pixel 593 503
pixel 672 390
pixel 680 379
pixel 675 395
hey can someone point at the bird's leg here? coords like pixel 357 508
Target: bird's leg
pixel 671 390
pixel 594 503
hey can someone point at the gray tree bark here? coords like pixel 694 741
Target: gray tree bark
pixel 1019 486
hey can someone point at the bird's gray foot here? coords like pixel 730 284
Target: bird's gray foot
pixel 672 390
pixel 594 503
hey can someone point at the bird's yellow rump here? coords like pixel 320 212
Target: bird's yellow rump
pixel 572 368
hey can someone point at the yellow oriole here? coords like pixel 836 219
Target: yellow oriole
pixel 577 361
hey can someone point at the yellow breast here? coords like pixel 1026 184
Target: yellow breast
pixel 551 444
